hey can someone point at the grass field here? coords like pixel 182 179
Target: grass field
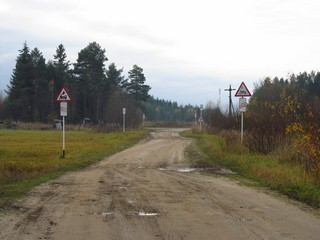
pixel 264 170
pixel 30 157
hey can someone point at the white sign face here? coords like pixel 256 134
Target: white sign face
pixel 123 111
pixel 63 96
pixel 63 109
pixel 243 91
pixel 242 104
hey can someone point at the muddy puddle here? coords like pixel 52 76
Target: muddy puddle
pixel 190 169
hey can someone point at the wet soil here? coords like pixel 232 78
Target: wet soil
pixel 150 192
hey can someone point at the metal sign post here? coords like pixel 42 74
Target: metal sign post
pixel 201 119
pixel 241 133
pixel 242 109
pixel 242 92
pixel 63 114
pixel 63 97
pixel 124 119
pixel 63 138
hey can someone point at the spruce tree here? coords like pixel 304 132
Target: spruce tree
pixel 41 86
pixel 114 75
pixel 21 89
pixel 62 68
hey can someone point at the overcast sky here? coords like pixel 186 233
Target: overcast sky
pixel 189 49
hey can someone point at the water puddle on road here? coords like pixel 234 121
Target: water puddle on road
pixel 186 170
pixel 163 169
pixel 146 214
pixel 180 170
pixel 109 216
pixel 217 170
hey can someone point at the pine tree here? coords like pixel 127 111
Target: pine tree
pixel 135 86
pixel 114 75
pixel 92 82
pixel 21 89
pixel 41 85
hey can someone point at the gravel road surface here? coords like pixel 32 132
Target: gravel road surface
pixel 150 192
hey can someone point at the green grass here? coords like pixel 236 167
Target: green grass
pixel 31 157
pixel 264 170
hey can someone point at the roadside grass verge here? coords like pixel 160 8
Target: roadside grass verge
pixel 31 157
pixel 265 170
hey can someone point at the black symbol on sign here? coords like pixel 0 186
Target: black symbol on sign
pixel 63 96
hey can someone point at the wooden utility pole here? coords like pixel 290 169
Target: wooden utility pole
pixel 230 100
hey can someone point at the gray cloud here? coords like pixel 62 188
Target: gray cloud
pixel 188 49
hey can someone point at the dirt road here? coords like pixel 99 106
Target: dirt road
pixel 148 192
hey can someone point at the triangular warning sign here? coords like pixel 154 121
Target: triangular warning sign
pixel 64 96
pixel 243 91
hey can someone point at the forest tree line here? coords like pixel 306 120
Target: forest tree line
pixel 282 117
pixel 286 112
pixel 98 92
pixel 282 113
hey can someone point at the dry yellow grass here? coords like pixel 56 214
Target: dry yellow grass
pixel 267 170
pixel 28 155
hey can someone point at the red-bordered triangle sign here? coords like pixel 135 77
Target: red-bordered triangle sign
pixel 243 91
pixel 64 96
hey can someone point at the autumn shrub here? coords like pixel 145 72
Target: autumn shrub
pixel 307 142
pixel 283 117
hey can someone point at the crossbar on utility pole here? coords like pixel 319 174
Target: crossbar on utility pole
pixel 230 100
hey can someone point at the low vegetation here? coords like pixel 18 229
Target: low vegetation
pixel 265 170
pixel 30 157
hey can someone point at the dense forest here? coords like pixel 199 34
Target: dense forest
pixel 162 110
pixel 98 92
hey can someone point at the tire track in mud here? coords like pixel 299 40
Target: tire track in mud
pixel 182 188
pixel 147 192
pixel 127 205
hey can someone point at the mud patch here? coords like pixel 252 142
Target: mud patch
pixel 34 215
pixel 108 216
